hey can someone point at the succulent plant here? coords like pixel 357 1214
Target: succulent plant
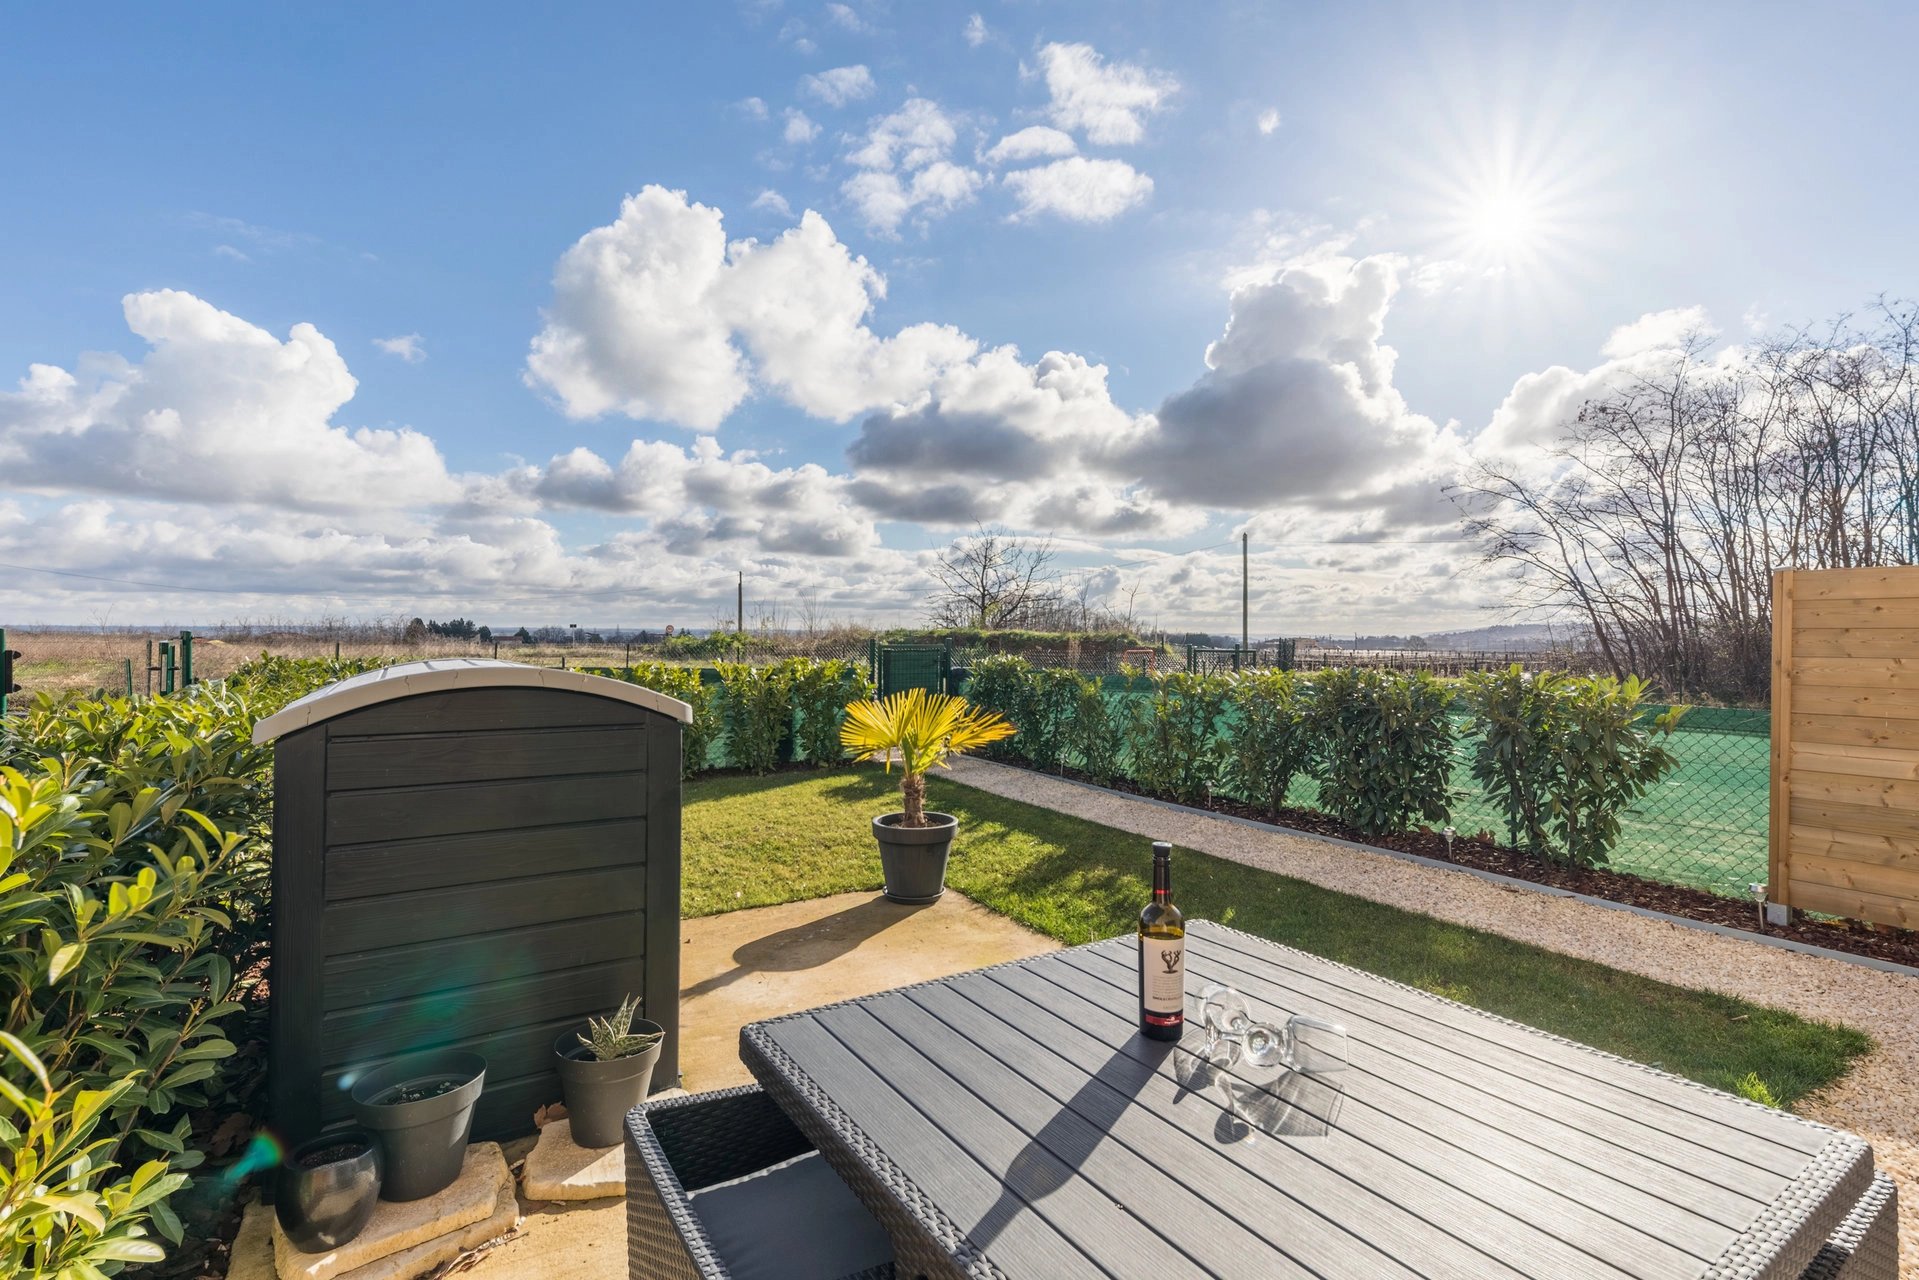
pixel 613 1036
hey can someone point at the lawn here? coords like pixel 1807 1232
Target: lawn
pixel 753 842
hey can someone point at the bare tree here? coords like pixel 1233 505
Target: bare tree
pixel 1670 499
pixel 992 580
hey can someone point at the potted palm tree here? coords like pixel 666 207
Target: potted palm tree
pixel 923 729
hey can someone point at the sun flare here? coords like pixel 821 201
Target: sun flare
pixel 1503 223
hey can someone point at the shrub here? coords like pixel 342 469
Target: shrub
pixel 1095 735
pixel 1052 702
pixel 685 684
pixel 1563 756
pixel 1269 736
pixel 757 705
pixel 821 691
pixel 1384 747
pixel 1005 685
pixel 1174 736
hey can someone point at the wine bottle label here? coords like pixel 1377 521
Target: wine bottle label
pixel 1163 961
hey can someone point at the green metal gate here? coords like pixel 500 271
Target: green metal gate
pixel 911 666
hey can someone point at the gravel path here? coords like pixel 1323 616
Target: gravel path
pixel 1879 1100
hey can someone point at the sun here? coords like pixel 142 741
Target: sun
pixel 1503 223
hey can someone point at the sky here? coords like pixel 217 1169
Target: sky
pixel 547 317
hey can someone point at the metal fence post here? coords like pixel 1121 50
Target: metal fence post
pixel 129 662
pixel 186 658
pixel 166 667
pixel 7 685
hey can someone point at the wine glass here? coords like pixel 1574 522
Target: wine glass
pixel 1232 1032
pixel 1314 1046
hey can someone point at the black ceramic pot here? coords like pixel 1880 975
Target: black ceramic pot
pixel 913 859
pixel 599 1094
pixel 420 1109
pixel 326 1190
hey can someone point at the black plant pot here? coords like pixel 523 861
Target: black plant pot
pixel 913 859
pixel 599 1094
pixel 326 1189
pixel 423 1139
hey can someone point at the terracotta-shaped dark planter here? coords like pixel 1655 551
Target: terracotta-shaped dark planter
pixel 326 1189
pixel 913 859
pixel 420 1109
pixel 599 1094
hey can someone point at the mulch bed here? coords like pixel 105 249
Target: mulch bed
pixel 1854 936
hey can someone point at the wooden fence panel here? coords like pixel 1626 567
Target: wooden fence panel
pixel 1845 744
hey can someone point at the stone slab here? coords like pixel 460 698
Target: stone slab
pixel 560 1169
pixel 473 1197
pixel 409 1264
pixel 252 1256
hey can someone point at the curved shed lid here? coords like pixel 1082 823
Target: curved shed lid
pixel 436 675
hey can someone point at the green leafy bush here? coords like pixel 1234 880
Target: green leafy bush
pixel 1096 736
pixel 683 683
pixel 757 705
pixel 1174 738
pixel 1269 736
pixel 1005 685
pixel 821 690
pixel 1053 700
pixel 1384 747
pixel 1564 756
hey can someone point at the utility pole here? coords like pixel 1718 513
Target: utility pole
pixel 740 618
pixel 1245 592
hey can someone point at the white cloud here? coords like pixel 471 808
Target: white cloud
pixel 230 253
pixel 1268 122
pixel 839 86
pixel 799 128
pixel 1079 189
pixel 793 35
pixel 218 411
pixel 1105 100
pixel 753 108
pixel 773 202
pixel 633 327
pixel 407 347
pixel 1657 331
pixel 845 18
pixel 1035 142
pixel 976 32
pixel 904 168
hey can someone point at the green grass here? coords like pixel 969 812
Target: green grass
pixel 753 842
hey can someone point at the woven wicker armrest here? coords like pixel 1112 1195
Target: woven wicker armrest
pixel 678 1145
pixel 1866 1245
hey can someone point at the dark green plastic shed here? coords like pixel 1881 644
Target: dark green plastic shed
pixel 467 853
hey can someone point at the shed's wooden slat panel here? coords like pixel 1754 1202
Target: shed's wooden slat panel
pixel 1882 703
pixel 523 1051
pixel 1811 896
pixel 468 710
pixel 1866 819
pixel 393 973
pixel 407 866
pixel 1823 784
pixel 360 817
pixel 1854 731
pixel 483 756
pixel 1815 612
pixel 1856 846
pixel 381 1030
pixel 1856 642
pixel 1896 582
pixel 968 1193
pixel 1481 1173
pixel 1845 873
pixel 1034 1177
pixel 1619 1088
pixel 365 924
pixel 1857 673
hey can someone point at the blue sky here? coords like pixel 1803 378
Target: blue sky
pixel 1410 216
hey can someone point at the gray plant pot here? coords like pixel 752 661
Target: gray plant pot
pixel 325 1190
pixel 422 1143
pixel 913 859
pixel 599 1094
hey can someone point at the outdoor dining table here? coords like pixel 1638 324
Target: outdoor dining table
pixel 1010 1122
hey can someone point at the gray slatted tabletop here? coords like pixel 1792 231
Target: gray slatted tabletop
pixel 1009 1122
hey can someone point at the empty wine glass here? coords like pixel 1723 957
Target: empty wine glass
pixel 1314 1046
pixel 1232 1031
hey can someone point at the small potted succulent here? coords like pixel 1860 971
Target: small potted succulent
pixel 923 729
pixel 605 1071
pixel 326 1189
pixel 420 1110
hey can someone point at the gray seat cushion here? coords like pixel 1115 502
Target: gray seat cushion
pixel 793 1221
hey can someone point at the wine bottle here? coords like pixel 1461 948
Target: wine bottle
pixel 1162 955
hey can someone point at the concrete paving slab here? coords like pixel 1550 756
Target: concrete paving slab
pixel 394 1228
pixel 560 1169
pixel 747 965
